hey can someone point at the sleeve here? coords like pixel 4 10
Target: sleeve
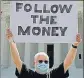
pixel 59 72
pixel 24 72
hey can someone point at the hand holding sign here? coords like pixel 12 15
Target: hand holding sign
pixel 9 34
pixel 78 39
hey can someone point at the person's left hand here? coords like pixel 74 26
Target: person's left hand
pixel 78 39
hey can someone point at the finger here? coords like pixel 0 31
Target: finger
pixel 78 37
pixel 9 32
pixel 9 35
pixel 78 40
pixel 78 34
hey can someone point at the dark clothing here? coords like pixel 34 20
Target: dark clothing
pixel 55 73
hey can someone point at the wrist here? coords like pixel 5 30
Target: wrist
pixel 76 44
pixel 11 40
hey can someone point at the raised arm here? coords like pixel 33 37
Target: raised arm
pixel 14 50
pixel 72 53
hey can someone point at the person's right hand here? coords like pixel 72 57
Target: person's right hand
pixel 9 34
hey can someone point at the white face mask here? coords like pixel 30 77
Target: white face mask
pixel 42 68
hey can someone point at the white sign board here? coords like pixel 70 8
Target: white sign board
pixel 44 21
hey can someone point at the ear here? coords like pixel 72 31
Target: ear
pixel 34 63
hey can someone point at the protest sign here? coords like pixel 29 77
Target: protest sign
pixel 44 21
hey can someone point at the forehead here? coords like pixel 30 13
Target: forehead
pixel 42 57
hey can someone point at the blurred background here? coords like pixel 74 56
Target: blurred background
pixel 57 52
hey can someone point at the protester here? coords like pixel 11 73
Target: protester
pixel 41 62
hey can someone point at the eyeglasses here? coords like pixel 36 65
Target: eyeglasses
pixel 45 61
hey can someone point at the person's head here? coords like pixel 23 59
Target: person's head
pixel 41 62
